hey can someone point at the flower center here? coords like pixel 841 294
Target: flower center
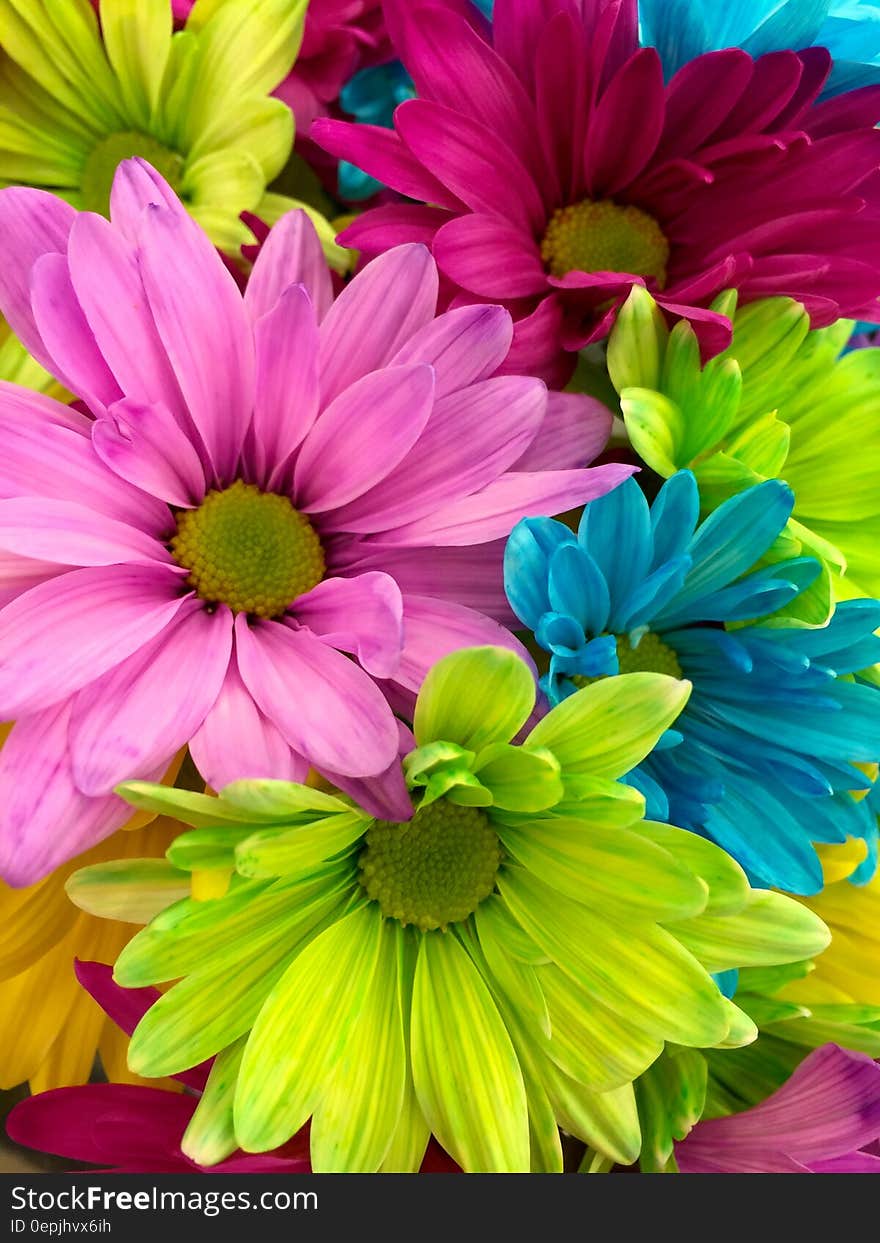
pixel 249 549
pixel 434 870
pixel 100 167
pixel 651 656
pixel 603 237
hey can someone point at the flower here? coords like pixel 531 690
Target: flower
pixel 461 969
pixel 17 366
pixel 764 756
pixel 49 1030
pixel 850 29
pixel 816 1123
pixel 528 200
pixel 769 406
pixel 78 98
pixel 268 483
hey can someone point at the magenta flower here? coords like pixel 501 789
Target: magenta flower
pixel 560 171
pixel 135 1129
pixel 818 1122
pixel 268 482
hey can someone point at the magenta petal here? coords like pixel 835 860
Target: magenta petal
pixel 139 714
pixel 236 741
pixel 493 512
pixel 137 186
pixel 850 1163
pixel 490 256
pixel 146 446
pixel 78 362
pixel 362 615
pixel 205 330
pixel 463 346
pixel 381 228
pixel 434 628
pixel 536 350
pixel 362 435
pixel 374 316
pixel 385 797
pixel 65 633
pixel 44 819
pixel 290 255
pixel 326 707
pixel 287 393
pixel 634 105
pixel 72 534
pixel 575 430
pixel 32 223
pixel 472 437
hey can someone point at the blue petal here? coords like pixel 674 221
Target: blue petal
pixel 527 566
pixel 559 633
pixel 772 845
pixel 656 802
pixel 674 516
pixel 577 586
pixel 727 982
pixel 756 595
pixel 652 594
pixel 795 24
pixel 616 531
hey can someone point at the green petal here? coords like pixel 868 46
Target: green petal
pixel 516 980
pixel 132 890
pixel 137 36
pixel 607 728
pixel 467 1077
pixel 637 345
pixel 410 1140
pixel 741 1030
pixel 519 780
pixel 280 800
pixel 232 179
pixel 771 929
pixel 261 128
pixel 545 1146
pixel 671 1096
pixel 363 1095
pixel 601 800
pixel 297 850
pixel 728 885
pixel 656 428
pixel 199 810
pixel 603 867
pixel 208 848
pixel 210 1136
pixel 608 1121
pixel 474 697
pixel 304 1028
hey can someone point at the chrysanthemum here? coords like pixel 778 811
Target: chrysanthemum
pixel 816 1123
pixel 269 486
pixel 17 366
pixel 568 172
pixel 763 757
pixel 850 29
pixel 504 958
pixel 78 95
pixel 49 1029
pixel 772 405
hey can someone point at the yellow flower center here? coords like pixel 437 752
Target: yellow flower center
pixel 249 549
pixel 104 159
pixel 434 870
pixel 603 237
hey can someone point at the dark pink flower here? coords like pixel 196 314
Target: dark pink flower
pixel 557 170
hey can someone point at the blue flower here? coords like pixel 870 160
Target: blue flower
pixel 850 29
pixel 763 758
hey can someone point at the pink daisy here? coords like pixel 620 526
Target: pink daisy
pixel 560 171
pixel 269 485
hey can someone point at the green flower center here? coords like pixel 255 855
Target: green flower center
pixel 603 237
pixel 105 158
pixel 249 549
pixel 651 656
pixel 434 870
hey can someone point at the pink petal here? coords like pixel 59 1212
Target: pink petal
pixel 472 437
pixel 463 346
pixel 236 741
pixel 45 456
pixel 139 714
pixel 575 431
pixel 106 277
pixel 536 350
pixel 19 574
pixel 72 534
pixel 290 255
pixel 362 615
pixel 434 628
pixel 287 394
pixel 362 435
pixel 65 331
pixel 145 445
pixel 385 797
pixel 381 228
pixel 324 704
pixel 137 186
pixel 374 316
pixel 490 256
pixel 63 634
pixel 32 223
pixel 44 819
pixel 205 330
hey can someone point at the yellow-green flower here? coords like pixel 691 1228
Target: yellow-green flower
pixel 780 403
pixel 504 962
pixel 77 96
pixel 18 367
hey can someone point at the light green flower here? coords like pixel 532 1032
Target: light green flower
pixel 780 403
pixel 18 367
pixel 504 963
pixel 76 98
